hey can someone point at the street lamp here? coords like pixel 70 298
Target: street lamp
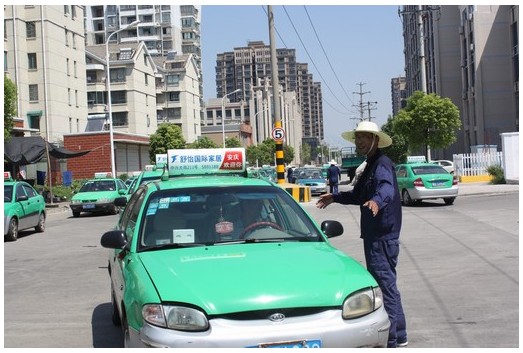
pixel 223 114
pixel 108 85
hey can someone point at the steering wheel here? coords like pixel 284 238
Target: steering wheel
pixel 256 225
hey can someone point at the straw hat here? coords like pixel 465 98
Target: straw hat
pixel 368 126
pixel 333 162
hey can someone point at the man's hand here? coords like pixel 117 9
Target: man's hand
pixel 373 207
pixel 325 200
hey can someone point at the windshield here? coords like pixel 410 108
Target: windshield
pixel 310 173
pixel 8 193
pixel 98 185
pixel 430 169
pixel 223 215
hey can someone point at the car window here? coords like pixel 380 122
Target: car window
pixel 30 192
pixel 8 193
pixel 120 184
pixel 221 215
pixel 428 169
pixel 128 221
pixel 19 191
pixel 402 172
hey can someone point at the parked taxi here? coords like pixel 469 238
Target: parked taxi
pixel 24 208
pixel 97 195
pixel 208 257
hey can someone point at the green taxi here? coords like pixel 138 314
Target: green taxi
pixel 97 195
pixel 208 257
pixel 150 172
pixel 24 208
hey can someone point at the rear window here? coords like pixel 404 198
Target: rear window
pixel 429 169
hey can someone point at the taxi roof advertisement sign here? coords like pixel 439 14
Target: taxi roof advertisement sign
pixel 206 161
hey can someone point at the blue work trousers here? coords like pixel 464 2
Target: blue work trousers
pixel 382 257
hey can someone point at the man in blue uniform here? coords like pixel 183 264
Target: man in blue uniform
pixel 333 175
pixel 377 194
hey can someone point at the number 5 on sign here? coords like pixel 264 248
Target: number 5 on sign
pixel 278 134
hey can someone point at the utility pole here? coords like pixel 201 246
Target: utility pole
pixel 369 104
pixel 280 169
pixel 360 106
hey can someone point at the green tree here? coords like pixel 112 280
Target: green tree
pixel 428 120
pixel 10 97
pixel 288 154
pixel 166 137
pixel 203 142
pixel 305 153
pixel 399 150
pixel 232 142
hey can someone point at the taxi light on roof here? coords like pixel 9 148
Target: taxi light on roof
pixel 206 161
pixel 7 176
pixel 100 175
pixel 149 167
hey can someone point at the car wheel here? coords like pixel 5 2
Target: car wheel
pixel 449 200
pixel 76 214
pixel 40 227
pixel 114 210
pixel 12 231
pixel 115 316
pixel 407 201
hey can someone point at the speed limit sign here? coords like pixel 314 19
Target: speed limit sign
pixel 278 134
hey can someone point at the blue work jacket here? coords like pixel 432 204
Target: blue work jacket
pixel 378 183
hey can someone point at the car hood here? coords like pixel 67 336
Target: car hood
pixel 95 195
pixel 311 180
pixel 235 278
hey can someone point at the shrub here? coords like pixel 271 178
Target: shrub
pixel 497 174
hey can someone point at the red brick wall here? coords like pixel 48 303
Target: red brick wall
pixel 98 160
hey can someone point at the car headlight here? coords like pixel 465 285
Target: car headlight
pixel 362 303
pixel 175 317
pixel 104 200
pixel 75 202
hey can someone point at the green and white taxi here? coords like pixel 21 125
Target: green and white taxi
pixel 97 195
pixel 24 208
pixel 208 257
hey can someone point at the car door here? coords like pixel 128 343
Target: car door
pixel 23 207
pixel 34 205
pixel 127 223
pixel 401 176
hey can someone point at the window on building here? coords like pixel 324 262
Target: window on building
pixel 66 10
pixel 74 41
pixel 118 97
pixel 173 80
pixel 70 124
pixel 69 96
pixel 73 11
pixel 146 79
pixel 74 68
pixel 118 75
pixel 96 98
pixel 30 29
pixel 33 93
pixel 76 97
pixel 91 76
pixel 174 96
pixel 120 119
pixel 66 37
pixel 67 66
pixel 34 121
pixel 31 61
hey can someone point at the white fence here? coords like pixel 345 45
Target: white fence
pixel 475 164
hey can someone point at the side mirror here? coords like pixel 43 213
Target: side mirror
pixel 114 239
pixel 22 198
pixel 120 201
pixel 122 191
pixel 332 228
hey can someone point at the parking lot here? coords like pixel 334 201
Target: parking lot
pixel 458 275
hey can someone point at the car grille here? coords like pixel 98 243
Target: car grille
pixel 264 314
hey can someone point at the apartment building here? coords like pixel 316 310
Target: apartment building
pixel 470 55
pixel 244 66
pixel 399 94
pixel 44 55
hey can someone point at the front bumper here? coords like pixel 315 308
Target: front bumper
pixel 424 193
pixel 92 207
pixel 328 327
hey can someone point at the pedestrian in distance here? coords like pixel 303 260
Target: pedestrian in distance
pixel 377 194
pixel 333 176
pixel 289 174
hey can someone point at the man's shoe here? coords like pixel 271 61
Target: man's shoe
pixel 403 344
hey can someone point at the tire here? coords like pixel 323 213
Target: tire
pixel 449 200
pixel 115 316
pixel 76 214
pixel 114 210
pixel 407 201
pixel 12 231
pixel 40 227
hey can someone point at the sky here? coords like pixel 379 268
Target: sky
pixel 348 48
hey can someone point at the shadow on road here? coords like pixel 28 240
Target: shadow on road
pixel 105 334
